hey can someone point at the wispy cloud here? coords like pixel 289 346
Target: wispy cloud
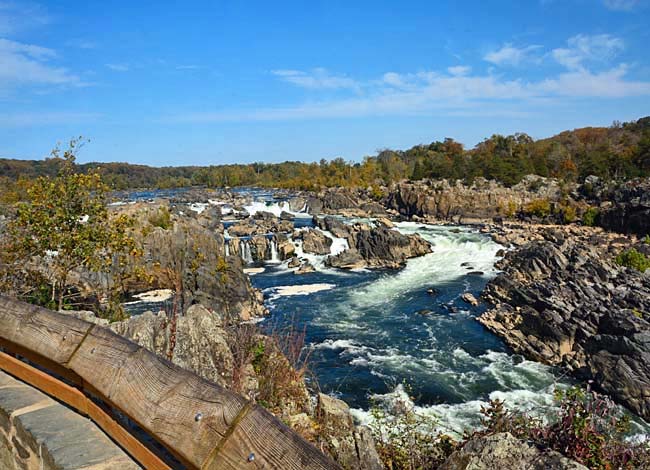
pixel 118 67
pixel 584 48
pixel 459 70
pixel 188 67
pixel 511 55
pixel 427 93
pixel 316 79
pixel 25 64
pixel 621 5
pixel 19 16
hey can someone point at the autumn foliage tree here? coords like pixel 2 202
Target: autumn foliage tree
pixel 64 224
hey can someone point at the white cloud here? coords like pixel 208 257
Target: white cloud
pixel 24 64
pixel 118 67
pixel 316 79
pixel 427 92
pixel 583 48
pixel 459 70
pixel 511 55
pixel 582 83
pixel 621 5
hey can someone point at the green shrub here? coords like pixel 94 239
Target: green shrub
pixel 406 439
pixel 646 240
pixel 538 207
pixel 589 217
pixel 633 259
pixel 568 214
pixel 161 218
pixel 376 193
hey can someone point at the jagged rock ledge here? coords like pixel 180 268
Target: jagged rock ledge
pixel 562 300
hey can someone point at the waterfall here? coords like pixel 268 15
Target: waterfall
pixel 227 247
pixel 274 251
pixel 245 251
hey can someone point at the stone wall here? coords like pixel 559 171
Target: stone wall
pixel 39 433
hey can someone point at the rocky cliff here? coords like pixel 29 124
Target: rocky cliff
pixel 456 201
pixel 623 207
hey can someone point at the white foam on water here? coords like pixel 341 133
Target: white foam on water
pixel 157 295
pixel 508 374
pixel 253 271
pixel 339 244
pixel 198 207
pixel 455 418
pixel 450 250
pixel 305 289
pixel 274 208
pixel 335 344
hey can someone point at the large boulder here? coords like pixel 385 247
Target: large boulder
pixel 315 241
pixel 351 446
pixel 195 341
pixel 455 201
pixel 260 247
pixel 383 247
pixel 285 247
pixel 348 259
pixel 504 451
pixel 333 225
pixel 242 229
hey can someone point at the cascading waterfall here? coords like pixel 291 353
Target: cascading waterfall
pixel 274 251
pixel 227 247
pixel 245 251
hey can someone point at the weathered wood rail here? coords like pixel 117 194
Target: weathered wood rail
pixel 200 423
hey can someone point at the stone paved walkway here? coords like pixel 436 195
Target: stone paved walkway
pixel 39 433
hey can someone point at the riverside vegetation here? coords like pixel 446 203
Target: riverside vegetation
pixel 64 247
pixel 621 151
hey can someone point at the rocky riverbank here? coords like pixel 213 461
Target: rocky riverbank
pixel 562 300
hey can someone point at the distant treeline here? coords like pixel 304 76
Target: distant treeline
pixel 621 151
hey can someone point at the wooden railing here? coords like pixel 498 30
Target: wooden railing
pixel 95 371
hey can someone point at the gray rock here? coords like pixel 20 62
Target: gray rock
pixel 353 447
pixel 562 301
pixel 504 451
pixel 348 259
pixel 467 297
pixel 314 241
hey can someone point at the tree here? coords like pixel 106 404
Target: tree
pixel 64 224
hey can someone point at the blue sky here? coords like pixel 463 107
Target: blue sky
pixel 171 83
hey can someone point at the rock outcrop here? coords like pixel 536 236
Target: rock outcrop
pixel 624 208
pixel 352 446
pixel 455 201
pixel 260 226
pixel 314 241
pixel 504 451
pixel 379 247
pixel 196 341
pixel 563 301
pixel 189 259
